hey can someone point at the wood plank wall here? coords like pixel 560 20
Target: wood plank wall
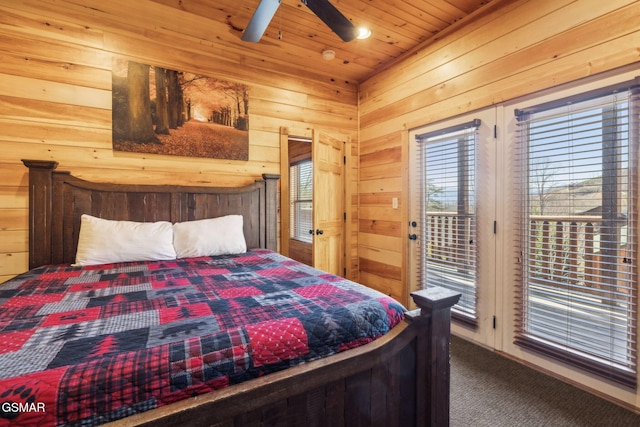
pixel 510 49
pixel 55 103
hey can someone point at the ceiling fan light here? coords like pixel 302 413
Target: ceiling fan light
pixel 363 33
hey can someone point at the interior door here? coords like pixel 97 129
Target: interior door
pixel 328 202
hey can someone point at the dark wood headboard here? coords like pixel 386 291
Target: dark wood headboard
pixel 57 200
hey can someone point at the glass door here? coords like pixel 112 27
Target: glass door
pixel 452 222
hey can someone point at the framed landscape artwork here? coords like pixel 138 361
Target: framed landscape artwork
pixel 162 111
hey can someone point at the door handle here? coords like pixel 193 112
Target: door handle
pixel 319 232
pixel 311 232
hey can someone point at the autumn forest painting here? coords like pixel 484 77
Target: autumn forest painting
pixel 162 111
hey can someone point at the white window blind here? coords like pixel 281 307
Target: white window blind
pixel 447 232
pixel 577 299
pixel 301 211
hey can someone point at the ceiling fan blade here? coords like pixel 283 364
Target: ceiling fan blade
pixel 260 20
pixel 333 18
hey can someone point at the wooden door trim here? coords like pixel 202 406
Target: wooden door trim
pixel 284 192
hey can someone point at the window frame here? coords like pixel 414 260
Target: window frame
pixel 626 373
pixel 296 199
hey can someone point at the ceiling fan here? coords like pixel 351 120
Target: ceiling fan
pixel 322 8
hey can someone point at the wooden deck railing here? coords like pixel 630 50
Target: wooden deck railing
pixel 564 250
pixel 570 250
pixel 448 238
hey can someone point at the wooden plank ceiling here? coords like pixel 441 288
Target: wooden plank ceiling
pixel 296 38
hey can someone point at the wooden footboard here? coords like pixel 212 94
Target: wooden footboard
pixel 401 379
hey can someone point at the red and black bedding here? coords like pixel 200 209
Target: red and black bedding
pixel 84 345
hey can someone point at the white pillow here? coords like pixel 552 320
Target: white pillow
pixel 208 237
pixel 103 241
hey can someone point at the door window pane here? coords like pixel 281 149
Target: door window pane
pixel 448 237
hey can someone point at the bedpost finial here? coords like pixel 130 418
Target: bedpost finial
pixel 40 164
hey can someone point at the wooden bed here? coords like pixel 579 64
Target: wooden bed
pixel 400 379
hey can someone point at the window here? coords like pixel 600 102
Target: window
pixel 301 210
pixel 577 293
pixel 448 218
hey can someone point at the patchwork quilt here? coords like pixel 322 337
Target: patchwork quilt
pixel 88 345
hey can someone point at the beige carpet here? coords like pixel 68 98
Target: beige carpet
pixel 488 390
